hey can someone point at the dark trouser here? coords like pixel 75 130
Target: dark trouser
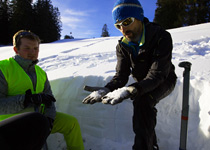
pixel 144 117
pixel 27 131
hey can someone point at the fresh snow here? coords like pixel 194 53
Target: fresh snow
pixel 72 64
pixel 118 93
pixel 113 97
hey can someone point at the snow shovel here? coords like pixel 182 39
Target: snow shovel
pixel 185 104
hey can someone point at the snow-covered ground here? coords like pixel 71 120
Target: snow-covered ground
pixel 71 64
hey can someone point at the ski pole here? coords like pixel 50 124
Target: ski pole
pixel 185 104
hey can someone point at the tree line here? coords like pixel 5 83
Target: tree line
pixel 43 18
pixel 40 17
pixel 179 13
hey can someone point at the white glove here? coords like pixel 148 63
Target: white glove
pixel 117 96
pixel 96 95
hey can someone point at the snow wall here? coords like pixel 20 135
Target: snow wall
pixel 106 127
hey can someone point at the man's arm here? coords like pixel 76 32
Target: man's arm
pixel 9 105
pixel 49 111
pixel 122 71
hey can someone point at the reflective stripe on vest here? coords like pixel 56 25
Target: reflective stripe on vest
pixel 18 81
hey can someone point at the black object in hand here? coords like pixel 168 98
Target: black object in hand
pixel 38 99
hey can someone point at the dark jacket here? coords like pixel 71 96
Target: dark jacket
pixel 151 67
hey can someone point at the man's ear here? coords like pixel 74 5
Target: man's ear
pixel 15 49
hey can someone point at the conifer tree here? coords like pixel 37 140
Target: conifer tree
pixel 41 18
pixel 198 11
pixel 4 22
pixel 21 15
pixel 47 21
pixel 170 13
pixel 105 32
pixel 178 13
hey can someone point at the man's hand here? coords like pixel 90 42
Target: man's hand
pixel 117 96
pixel 38 99
pixel 96 95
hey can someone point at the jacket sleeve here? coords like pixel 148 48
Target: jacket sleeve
pixel 122 71
pixel 9 105
pixel 161 65
pixel 49 111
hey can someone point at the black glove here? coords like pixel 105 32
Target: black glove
pixel 38 99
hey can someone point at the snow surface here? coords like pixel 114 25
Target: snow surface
pixel 71 64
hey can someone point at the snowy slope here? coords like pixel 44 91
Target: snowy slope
pixel 71 64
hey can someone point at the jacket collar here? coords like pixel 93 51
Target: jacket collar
pixel 26 64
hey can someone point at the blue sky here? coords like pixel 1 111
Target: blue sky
pixel 85 18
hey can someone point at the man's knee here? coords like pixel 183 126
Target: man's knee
pixel 64 123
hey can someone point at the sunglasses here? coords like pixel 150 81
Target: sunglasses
pixel 125 23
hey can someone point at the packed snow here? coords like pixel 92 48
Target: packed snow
pixel 72 64
pixel 118 93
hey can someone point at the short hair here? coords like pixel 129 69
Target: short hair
pixel 24 34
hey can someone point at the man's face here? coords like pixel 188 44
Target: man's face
pixel 133 31
pixel 29 49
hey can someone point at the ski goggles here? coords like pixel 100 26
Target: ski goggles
pixel 125 23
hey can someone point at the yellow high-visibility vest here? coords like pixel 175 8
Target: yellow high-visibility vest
pixel 18 81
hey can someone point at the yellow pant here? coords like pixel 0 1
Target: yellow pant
pixel 69 127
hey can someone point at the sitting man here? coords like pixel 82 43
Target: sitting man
pixel 24 91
